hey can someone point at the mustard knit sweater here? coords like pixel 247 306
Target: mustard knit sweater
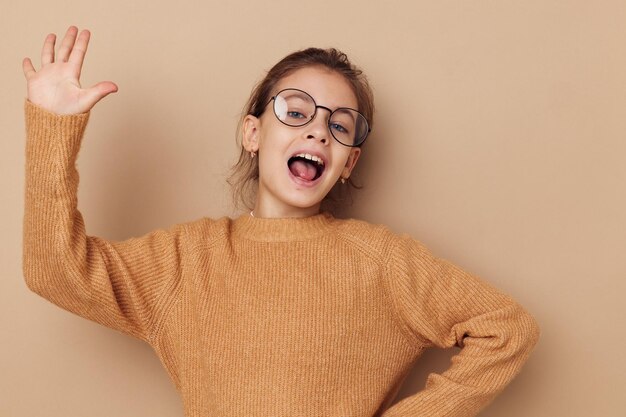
pixel 271 317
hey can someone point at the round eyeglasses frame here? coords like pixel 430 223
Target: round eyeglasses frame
pixel 317 106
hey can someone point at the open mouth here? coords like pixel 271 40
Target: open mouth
pixel 305 166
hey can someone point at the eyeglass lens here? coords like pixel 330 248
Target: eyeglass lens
pixel 297 108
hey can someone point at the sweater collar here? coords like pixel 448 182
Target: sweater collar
pixel 282 229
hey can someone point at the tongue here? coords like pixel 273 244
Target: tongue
pixel 303 170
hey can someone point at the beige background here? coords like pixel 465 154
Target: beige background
pixel 499 142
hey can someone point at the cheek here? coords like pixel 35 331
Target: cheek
pixel 272 138
pixel 341 158
pixel 271 159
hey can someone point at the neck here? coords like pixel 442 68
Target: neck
pixel 282 229
pixel 269 212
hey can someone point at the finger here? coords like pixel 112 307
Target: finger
pixel 80 48
pixel 27 67
pixel 98 92
pixel 67 44
pixel 47 52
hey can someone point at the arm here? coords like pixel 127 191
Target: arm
pixel 444 306
pixel 123 285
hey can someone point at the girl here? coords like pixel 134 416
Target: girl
pixel 283 311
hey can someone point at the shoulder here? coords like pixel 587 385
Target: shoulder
pixel 372 238
pixel 380 241
pixel 205 231
pixel 203 224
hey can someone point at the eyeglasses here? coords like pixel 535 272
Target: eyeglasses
pixel 297 108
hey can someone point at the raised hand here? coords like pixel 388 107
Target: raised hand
pixel 56 86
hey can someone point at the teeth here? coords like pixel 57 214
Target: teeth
pixel 313 158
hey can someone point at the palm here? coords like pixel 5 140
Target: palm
pixel 56 86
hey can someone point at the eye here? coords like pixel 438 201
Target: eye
pixel 295 114
pixel 338 128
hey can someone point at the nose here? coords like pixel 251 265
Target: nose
pixel 318 127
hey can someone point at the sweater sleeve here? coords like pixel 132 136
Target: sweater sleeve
pixel 122 285
pixel 441 305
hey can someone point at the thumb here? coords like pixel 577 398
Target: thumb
pixel 98 92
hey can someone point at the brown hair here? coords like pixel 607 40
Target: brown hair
pixel 245 173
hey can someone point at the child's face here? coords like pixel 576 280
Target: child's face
pixel 286 188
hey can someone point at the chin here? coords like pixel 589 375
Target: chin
pixel 303 203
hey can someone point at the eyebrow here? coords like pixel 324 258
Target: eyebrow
pixel 314 100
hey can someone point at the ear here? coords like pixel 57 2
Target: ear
pixel 250 133
pixel 351 162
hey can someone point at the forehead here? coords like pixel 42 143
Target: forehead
pixel 328 88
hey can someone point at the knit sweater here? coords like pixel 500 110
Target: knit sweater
pixel 307 317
